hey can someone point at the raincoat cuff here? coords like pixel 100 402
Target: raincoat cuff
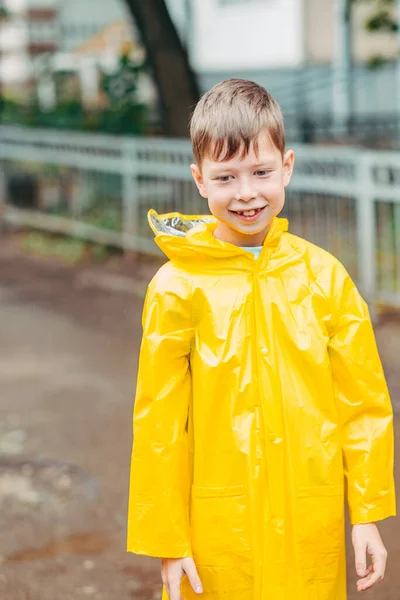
pixel 158 550
pixel 361 517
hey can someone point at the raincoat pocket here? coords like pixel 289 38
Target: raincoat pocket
pixel 220 583
pixel 320 525
pixel 220 527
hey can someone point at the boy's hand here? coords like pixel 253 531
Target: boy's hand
pixel 172 571
pixel 366 540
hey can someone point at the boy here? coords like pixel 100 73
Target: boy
pixel 261 401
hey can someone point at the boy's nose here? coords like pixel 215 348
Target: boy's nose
pixel 246 193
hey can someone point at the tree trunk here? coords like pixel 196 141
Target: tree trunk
pixel 176 83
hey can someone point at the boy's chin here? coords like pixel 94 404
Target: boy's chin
pixel 250 230
pixel 242 235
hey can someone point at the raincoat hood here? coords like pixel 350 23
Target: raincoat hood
pixel 192 236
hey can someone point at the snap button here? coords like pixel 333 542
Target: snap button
pixel 278 525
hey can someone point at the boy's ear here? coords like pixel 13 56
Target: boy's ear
pixel 198 179
pixel 288 166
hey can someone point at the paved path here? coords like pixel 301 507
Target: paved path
pixel 67 370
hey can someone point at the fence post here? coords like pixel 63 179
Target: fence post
pixel 396 209
pixel 366 229
pixel 3 188
pixel 130 196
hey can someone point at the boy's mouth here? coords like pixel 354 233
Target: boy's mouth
pixel 247 215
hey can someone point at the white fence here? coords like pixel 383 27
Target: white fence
pixel 101 187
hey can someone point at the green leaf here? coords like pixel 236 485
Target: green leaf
pixel 381 21
pixel 4 14
pixel 375 62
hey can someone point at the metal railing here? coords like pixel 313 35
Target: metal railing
pixel 100 188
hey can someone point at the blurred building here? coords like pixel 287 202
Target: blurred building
pixel 288 46
pixel 80 20
pixel 319 28
pixel 42 25
pixel 46 37
pixel 31 30
pixel 271 33
pixel 246 34
pixel 102 52
pixel 38 28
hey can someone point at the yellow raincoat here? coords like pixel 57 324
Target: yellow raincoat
pixel 261 404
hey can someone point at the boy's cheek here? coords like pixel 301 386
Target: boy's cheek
pixel 274 193
pixel 219 201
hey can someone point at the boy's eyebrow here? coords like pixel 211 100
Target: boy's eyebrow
pixel 224 168
pixel 219 170
pixel 265 163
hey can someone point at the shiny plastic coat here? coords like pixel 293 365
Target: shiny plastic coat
pixel 261 404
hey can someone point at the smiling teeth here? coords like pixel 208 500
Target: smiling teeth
pixel 248 213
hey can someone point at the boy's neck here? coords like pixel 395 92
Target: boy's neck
pixel 229 235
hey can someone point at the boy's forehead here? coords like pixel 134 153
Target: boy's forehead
pixel 261 150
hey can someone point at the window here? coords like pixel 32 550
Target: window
pixel 42 31
pixel 71 29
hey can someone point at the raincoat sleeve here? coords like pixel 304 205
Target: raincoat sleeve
pixel 158 519
pixel 364 408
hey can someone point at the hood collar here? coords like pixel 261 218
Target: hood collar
pixel 182 236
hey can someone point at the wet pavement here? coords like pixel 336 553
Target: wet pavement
pixel 69 341
pixel 67 374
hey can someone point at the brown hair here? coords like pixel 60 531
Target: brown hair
pixel 230 117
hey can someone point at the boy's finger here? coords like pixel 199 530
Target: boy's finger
pixel 360 552
pixel 379 563
pixel 361 569
pixel 369 581
pixel 360 582
pixel 377 574
pixel 191 572
pixel 174 590
pixel 369 570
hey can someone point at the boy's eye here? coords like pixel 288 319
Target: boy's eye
pixel 262 173
pixel 224 178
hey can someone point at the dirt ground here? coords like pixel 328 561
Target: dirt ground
pixel 69 340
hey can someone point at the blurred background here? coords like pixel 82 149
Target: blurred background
pixel 95 98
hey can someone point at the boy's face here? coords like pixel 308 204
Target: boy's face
pixel 245 194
